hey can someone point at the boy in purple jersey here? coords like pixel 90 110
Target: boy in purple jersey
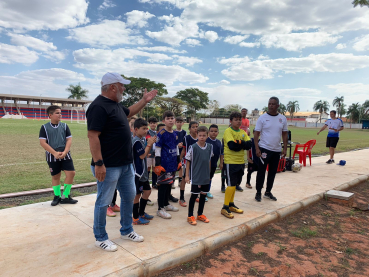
pixel 167 162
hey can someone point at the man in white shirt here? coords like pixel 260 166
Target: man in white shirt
pixel 270 127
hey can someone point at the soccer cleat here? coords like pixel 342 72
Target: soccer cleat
pixel 150 203
pixel 106 245
pixel 227 213
pixel 330 161
pixel 183 203
pixel 140 221
pixel 133 236
pixel 56 200
pixel 238 188
pixel 270 196
pixel 223 189
pixel 191 220
pixel 147 216
pixel 115 208
pixel 171 208
pixel 109 212
pixel 163 214
pixel 248 186
pixel 173 199
pixel 203 218
pixel 235 209
pixel 209 195
pixel 258 197
pixel 206 199
pixel 68 200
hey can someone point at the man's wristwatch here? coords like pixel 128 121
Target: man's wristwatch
pixel 99 163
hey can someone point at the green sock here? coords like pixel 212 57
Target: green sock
pixel 67 189
pixel 57 190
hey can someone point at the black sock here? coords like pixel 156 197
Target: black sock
pixel 161 196
pixel 223 182
pixel 182 194
pixel 135 210
pixel 168 191
pixel 143 203
pixel 226 207
pixel 201 204
pixel 191 205
pixel 179 180
pixel 154 178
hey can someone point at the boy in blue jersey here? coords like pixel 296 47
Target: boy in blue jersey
pixel 141 148
pixel 335 125
pixel 181 134
pixel 167 162
pixel 217 151
pixel 187 142
pixel 153 122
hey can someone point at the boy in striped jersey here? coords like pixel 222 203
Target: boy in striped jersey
pixel 56 138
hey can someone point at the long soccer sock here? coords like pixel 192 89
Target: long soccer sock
pixel 168 192
pixel 67 189
pixel 182 194
pixel 228 195
pixel 143 203
pixel 135 210
pixel 223 182
pixel 191 205
pixel 57 190
pixel 154 178
pixel 232 198
pixel 201 204
pixel 161 196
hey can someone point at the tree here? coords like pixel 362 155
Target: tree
pixel 342 111
pixel 76 92
pixel 354 112
pixel 360 2
pixel 233 108
pixel 292 107
pixel 321 106
pixel 366 106
pixel 337 102
pixel 265 109
pixel 282 109
pixel 213 107
pixel 222 112
pixel 170 104
pixel 195 98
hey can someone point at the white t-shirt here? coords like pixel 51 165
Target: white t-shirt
pixel 334 124
pixel 270 128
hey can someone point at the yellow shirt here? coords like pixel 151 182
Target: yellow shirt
pixel 230 156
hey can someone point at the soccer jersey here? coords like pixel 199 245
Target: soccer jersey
pixel 334 124
pixel 181 134
pixel 200 163
pixel 168 144
pixel 230 156
pixel 187 142
pixel 140 165
pixel 245 124
pixel 217 150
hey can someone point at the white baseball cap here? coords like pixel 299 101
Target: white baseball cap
pixel 112 78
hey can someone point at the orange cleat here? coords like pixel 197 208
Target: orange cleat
pixel 110 212
pixel 191 220
pixel 203 218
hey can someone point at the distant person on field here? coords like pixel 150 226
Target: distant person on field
pixel 245 124
pixel 56 138
pixel 335 125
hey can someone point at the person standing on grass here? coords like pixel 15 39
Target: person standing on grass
pixel 270 127
pixel 56 138
pixel 335 125
pixel 245 125
pixel 111 149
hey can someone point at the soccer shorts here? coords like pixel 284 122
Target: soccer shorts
pixel 332 142
pixel 234 173
pixel 56 167
pixel 141 186
pixel 150 162
pixel 212 172
pixel 195 189
pixel 166 178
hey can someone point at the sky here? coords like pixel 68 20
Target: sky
pixel 240 52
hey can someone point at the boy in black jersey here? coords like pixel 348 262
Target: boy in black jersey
pixel 56 138
pixel 181 134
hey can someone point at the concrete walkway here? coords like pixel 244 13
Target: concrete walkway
pixel 40 240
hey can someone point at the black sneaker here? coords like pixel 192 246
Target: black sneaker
pixel 154 186
pixel 330 161
pixel 55 201
pixel 173 199
pixel 68 200
pixel 270 196
pixel 238 188
pixel 258 197
pixel 223 189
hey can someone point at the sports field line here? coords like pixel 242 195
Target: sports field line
pixel 3 165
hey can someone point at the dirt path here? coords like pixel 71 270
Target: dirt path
pixel 326 239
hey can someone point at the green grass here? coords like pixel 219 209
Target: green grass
pixel 304 233
pixel 23 165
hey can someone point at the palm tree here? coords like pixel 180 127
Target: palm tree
pixel 360 2
pixel 342 111
pixel 366 106
pixel 354 112
pixel 337 102
pixel 282 109
pixel 76 92
pixel 265 109
pixel 321 106
pixel 292 107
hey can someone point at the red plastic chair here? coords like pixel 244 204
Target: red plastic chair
pixel 305 151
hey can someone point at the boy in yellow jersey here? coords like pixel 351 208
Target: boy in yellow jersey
pixel 236 141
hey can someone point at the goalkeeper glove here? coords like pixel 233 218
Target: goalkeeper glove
pixel 159 170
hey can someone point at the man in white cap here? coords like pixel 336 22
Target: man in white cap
pixel 111 149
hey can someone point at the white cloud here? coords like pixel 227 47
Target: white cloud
pixel 249 44
pixel 106 33
pixel 17 54
pixel 193 42
pixel 106 4
pixel 298 41
pixel 353 92
pixel 340 46
pixel 361 43
pixel 38 15
pixel 262 57
pixel 189 61
pixel 209 35
pixel 235 39
pixel 295 92
pixel 56 56
pixel 224 82
pixel 138 18
pixel 244 69
pixel 31 42
pixel 161 49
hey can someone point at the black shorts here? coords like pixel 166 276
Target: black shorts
pixel 197 190
pixel 56 167
pixel 332 142
pixel 234 173
pixel 141 186
pixel 167 178
pixel 212 172
pixel 251 167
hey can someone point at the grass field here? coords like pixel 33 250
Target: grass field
pixel 23 166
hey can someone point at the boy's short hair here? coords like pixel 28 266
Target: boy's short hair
pixel 213 126
pixel 179 119
pixel 159 126
pixel 235 115
pixel 192 123
pixel 51 109
pixel 333 111
pixel 168 114
pixel 132 117
pixel 202 129
pixel 140 122
pixel 153 119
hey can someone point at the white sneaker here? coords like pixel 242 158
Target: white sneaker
pixel 133 236
pixel 163 213
pixel 171 208
pixel 106 245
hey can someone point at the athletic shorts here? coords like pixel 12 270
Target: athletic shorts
pixel 197 190
pixel 212 172
pixel 167 178
pixel 150 162
pixel 251 167
pixel 141 186
pixel 332 142
pixel 184 171
pixel 56 167
pixel 234 173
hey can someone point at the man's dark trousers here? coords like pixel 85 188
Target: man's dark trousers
pixel 271 159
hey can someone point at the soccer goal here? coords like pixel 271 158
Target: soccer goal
pixel 78 114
